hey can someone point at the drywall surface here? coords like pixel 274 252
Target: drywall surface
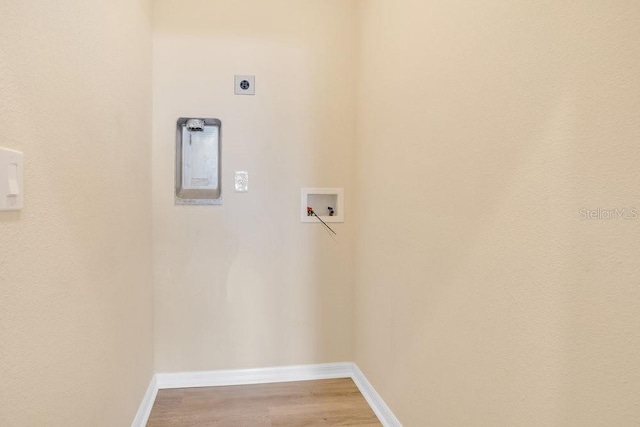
pixel 246 284
pixel 75 265
pixel 484 296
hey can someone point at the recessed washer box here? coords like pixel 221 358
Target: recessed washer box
pixel 198 157
pixel 321 199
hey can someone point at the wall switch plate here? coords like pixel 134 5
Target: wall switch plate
pixel 11 180
pixel 242 182
pixel 245 85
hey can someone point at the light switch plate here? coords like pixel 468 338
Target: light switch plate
pixel 245 85
pixel 11 180
pixel 242 182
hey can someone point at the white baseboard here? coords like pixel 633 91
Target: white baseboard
pixel 382 411
pixel 254 376
pixel 142 416
pixel 263 376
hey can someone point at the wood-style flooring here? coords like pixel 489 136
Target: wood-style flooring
pixel 306 403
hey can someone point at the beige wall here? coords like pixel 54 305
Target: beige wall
pixel 75 284
pixel 482 297
pixel 246 284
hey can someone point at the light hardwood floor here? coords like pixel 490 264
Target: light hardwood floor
pixel 306 403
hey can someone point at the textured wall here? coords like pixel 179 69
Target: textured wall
pixel 483 297
pixel 75 283
pixel 246 284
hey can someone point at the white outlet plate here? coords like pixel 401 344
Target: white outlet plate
pixel 242 182
pixel 245 85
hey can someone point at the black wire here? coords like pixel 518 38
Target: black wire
pixel 325 224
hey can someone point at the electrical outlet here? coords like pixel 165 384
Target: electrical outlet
pixel 242 182
pixel 245 85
